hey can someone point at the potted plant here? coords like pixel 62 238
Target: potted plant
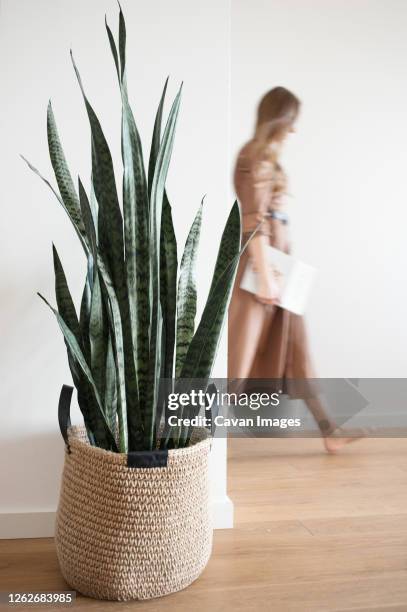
pixel 133 519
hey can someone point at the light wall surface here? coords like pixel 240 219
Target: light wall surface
pixel 347 61
pixel 164 38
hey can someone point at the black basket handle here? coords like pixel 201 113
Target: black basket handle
pixel 64 409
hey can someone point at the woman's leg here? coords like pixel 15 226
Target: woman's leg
pixel 334 437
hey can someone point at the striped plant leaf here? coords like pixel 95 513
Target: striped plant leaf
pixel 156 205
pixel 111 247
pixel 135 209
pixel 168 300
pixel 156 139
pixel 202 349
pixel 98 338
pixel 99 426
pixel 66 307
pixel 78 228
pixel 117 334
pixel 111 387
pixel 67 311
pixel 186 298
pixel 110 217
pixel 84 313
pixel 62 174
pixel 94 207
pixel 168 286
pixel 87 217
pixel 122 44
pixel 114 50
pixel 168 270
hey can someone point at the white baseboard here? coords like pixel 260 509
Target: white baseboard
pixel 17 525
pixel 27 525
pixel 223 512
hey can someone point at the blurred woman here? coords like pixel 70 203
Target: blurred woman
pixel 266 341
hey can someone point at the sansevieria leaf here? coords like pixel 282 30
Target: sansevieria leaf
pixel 62 174
pixel 99 426
pixel 186 298
pixel 78 228
pixel 135 210
pixel 117 333
pixel 88 220
pixel 66 307
pixel 110 217
pixel 156 139
pixel 111 387
pixel 98 338
pixel 156 205
pixel 199 359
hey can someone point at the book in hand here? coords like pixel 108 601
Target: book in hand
pixel 294 277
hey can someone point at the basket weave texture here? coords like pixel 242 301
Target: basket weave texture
pixel 133 533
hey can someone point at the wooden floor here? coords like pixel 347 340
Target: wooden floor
pixel 313 533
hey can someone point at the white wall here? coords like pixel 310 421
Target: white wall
pixel 347 61
pixel 35 37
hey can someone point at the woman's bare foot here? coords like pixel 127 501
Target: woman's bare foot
pixel 335 441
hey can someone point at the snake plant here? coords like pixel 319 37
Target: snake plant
pixel 136 323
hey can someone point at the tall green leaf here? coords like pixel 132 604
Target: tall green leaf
pixel 99 426
pixel 168 299
pixel 156 139
pixel 111 247
pixel 168 286
pixel 117 333
pixel 135 209
pixel 186 299
pixel 201 353
pixel 156 205
pixel 110 216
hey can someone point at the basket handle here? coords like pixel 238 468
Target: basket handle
pixel 64 408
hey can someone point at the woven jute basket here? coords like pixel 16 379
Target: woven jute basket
pixel 127 533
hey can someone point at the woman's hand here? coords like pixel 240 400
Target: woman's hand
pixel 268 289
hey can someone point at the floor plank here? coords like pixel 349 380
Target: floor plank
pixel 315 533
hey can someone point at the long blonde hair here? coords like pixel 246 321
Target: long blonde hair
pixel 276 113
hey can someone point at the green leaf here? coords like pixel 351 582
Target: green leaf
pixel 168 286
pixel 114 50
pixel 62 173
pixel 135 209
pixel 117 333
pixel 66 307
pixel 67 311
pixel 111 247
pixel 156 139
pixel 99 426
pixel 98 338
pixel 122 44
pixel 110 221
pixel 84 314
pixel 186 300
pixel 168 298
pixel 78 228
pixel 87 217
pixel 111 387
pixel 202 350
pixel 156 205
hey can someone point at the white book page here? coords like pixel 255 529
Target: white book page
pixel 294 276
